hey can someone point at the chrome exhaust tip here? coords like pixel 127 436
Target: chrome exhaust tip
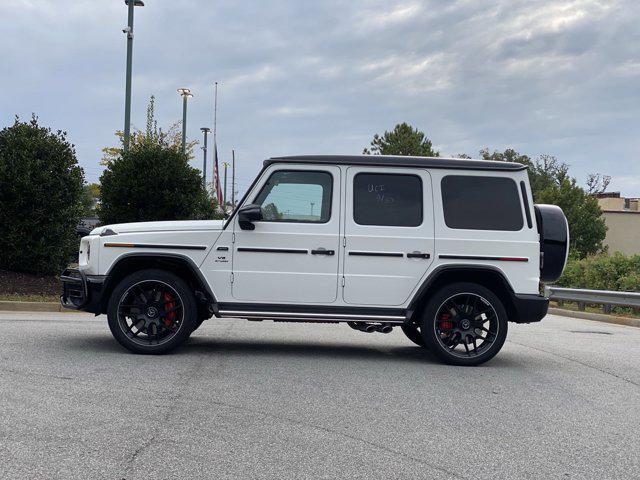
pixel 385 328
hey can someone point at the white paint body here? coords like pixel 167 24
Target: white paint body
pixel 339 280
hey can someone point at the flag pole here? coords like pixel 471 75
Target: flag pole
pixel 215 149
pixel 233 178
pixel 215 111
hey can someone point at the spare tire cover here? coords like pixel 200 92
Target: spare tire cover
pixel 554 241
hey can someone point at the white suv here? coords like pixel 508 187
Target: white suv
pixel 450 250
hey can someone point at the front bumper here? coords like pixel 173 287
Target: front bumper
pixel 529 308
pixel 81 291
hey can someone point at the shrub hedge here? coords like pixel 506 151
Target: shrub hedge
pixel 603 272
pixel 40 198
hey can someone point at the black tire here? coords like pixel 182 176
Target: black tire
pixel 198 324
pixel 138 338
pixel 413 333
pixel 469 311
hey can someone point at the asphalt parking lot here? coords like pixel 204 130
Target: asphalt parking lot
pixel 274 400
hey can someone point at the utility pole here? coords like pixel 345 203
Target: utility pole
pixel 233 178
pixel 205 130
pixel 225 165
pixel 127 94
pixel 185 93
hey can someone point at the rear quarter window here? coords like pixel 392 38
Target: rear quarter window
pixel 481 203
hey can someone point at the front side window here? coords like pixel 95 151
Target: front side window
pixel 296 196
pixel 481 203
pixel 387 199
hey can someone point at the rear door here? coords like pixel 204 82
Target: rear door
pixel 389 234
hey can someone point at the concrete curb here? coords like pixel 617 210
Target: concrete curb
pixel 596 317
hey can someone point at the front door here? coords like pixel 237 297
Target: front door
pixel 389 240
pixel 292 254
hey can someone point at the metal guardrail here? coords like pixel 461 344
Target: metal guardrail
pixel 606 298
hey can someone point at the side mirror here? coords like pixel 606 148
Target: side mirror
pixel 248 214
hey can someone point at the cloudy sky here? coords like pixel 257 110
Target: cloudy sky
pixel 300 77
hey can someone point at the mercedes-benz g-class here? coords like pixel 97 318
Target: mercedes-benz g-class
pixel 449 250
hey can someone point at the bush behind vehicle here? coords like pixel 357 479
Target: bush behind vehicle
pixel 616 272
pixel 41 190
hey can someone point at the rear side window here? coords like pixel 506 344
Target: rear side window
pixel 481 203
pixel 387 199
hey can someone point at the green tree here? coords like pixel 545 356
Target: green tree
pixel 586 223
pixel 551 183
pixel 40 198
pixel 403 140
pixel 153 180
pixel 152 134
pixel 90 198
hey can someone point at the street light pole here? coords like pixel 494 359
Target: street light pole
pixel 186 93
pixel 205 130
pixel 127 95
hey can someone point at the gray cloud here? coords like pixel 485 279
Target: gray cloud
pixel 558 77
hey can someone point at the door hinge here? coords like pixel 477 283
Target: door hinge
pixel 343 281
pixel 232 278
pixel 233 238
pixel 344 241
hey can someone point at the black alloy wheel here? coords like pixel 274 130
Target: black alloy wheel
pixel 152 311
pixel 465 324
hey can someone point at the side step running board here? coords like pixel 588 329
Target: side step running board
pixel 318 317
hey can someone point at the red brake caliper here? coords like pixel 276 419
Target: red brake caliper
pixel 445 324
pixel 169 304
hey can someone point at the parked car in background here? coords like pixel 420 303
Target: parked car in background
pixel 87 224
pixel 450 250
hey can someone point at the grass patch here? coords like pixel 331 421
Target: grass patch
pixel 29 298
pixel 616 311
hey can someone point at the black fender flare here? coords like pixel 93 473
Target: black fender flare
pixel 177 258
pixel 444 270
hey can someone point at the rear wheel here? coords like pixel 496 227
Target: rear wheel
pixel 152 311
pixel 464 324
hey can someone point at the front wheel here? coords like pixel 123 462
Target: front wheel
pixel 152 311
pixel 464 324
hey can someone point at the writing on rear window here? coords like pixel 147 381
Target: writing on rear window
pixel 387 199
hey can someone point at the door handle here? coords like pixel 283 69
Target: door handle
pixel 322 251
pixel 418 255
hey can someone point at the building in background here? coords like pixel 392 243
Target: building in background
pixel 622 216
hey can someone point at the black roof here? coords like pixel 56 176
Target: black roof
pixel 400 161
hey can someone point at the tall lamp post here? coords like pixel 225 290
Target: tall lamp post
pixel 127 96
pixel 205 130
pixel 185 93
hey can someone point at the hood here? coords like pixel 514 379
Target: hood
pixel 169 226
